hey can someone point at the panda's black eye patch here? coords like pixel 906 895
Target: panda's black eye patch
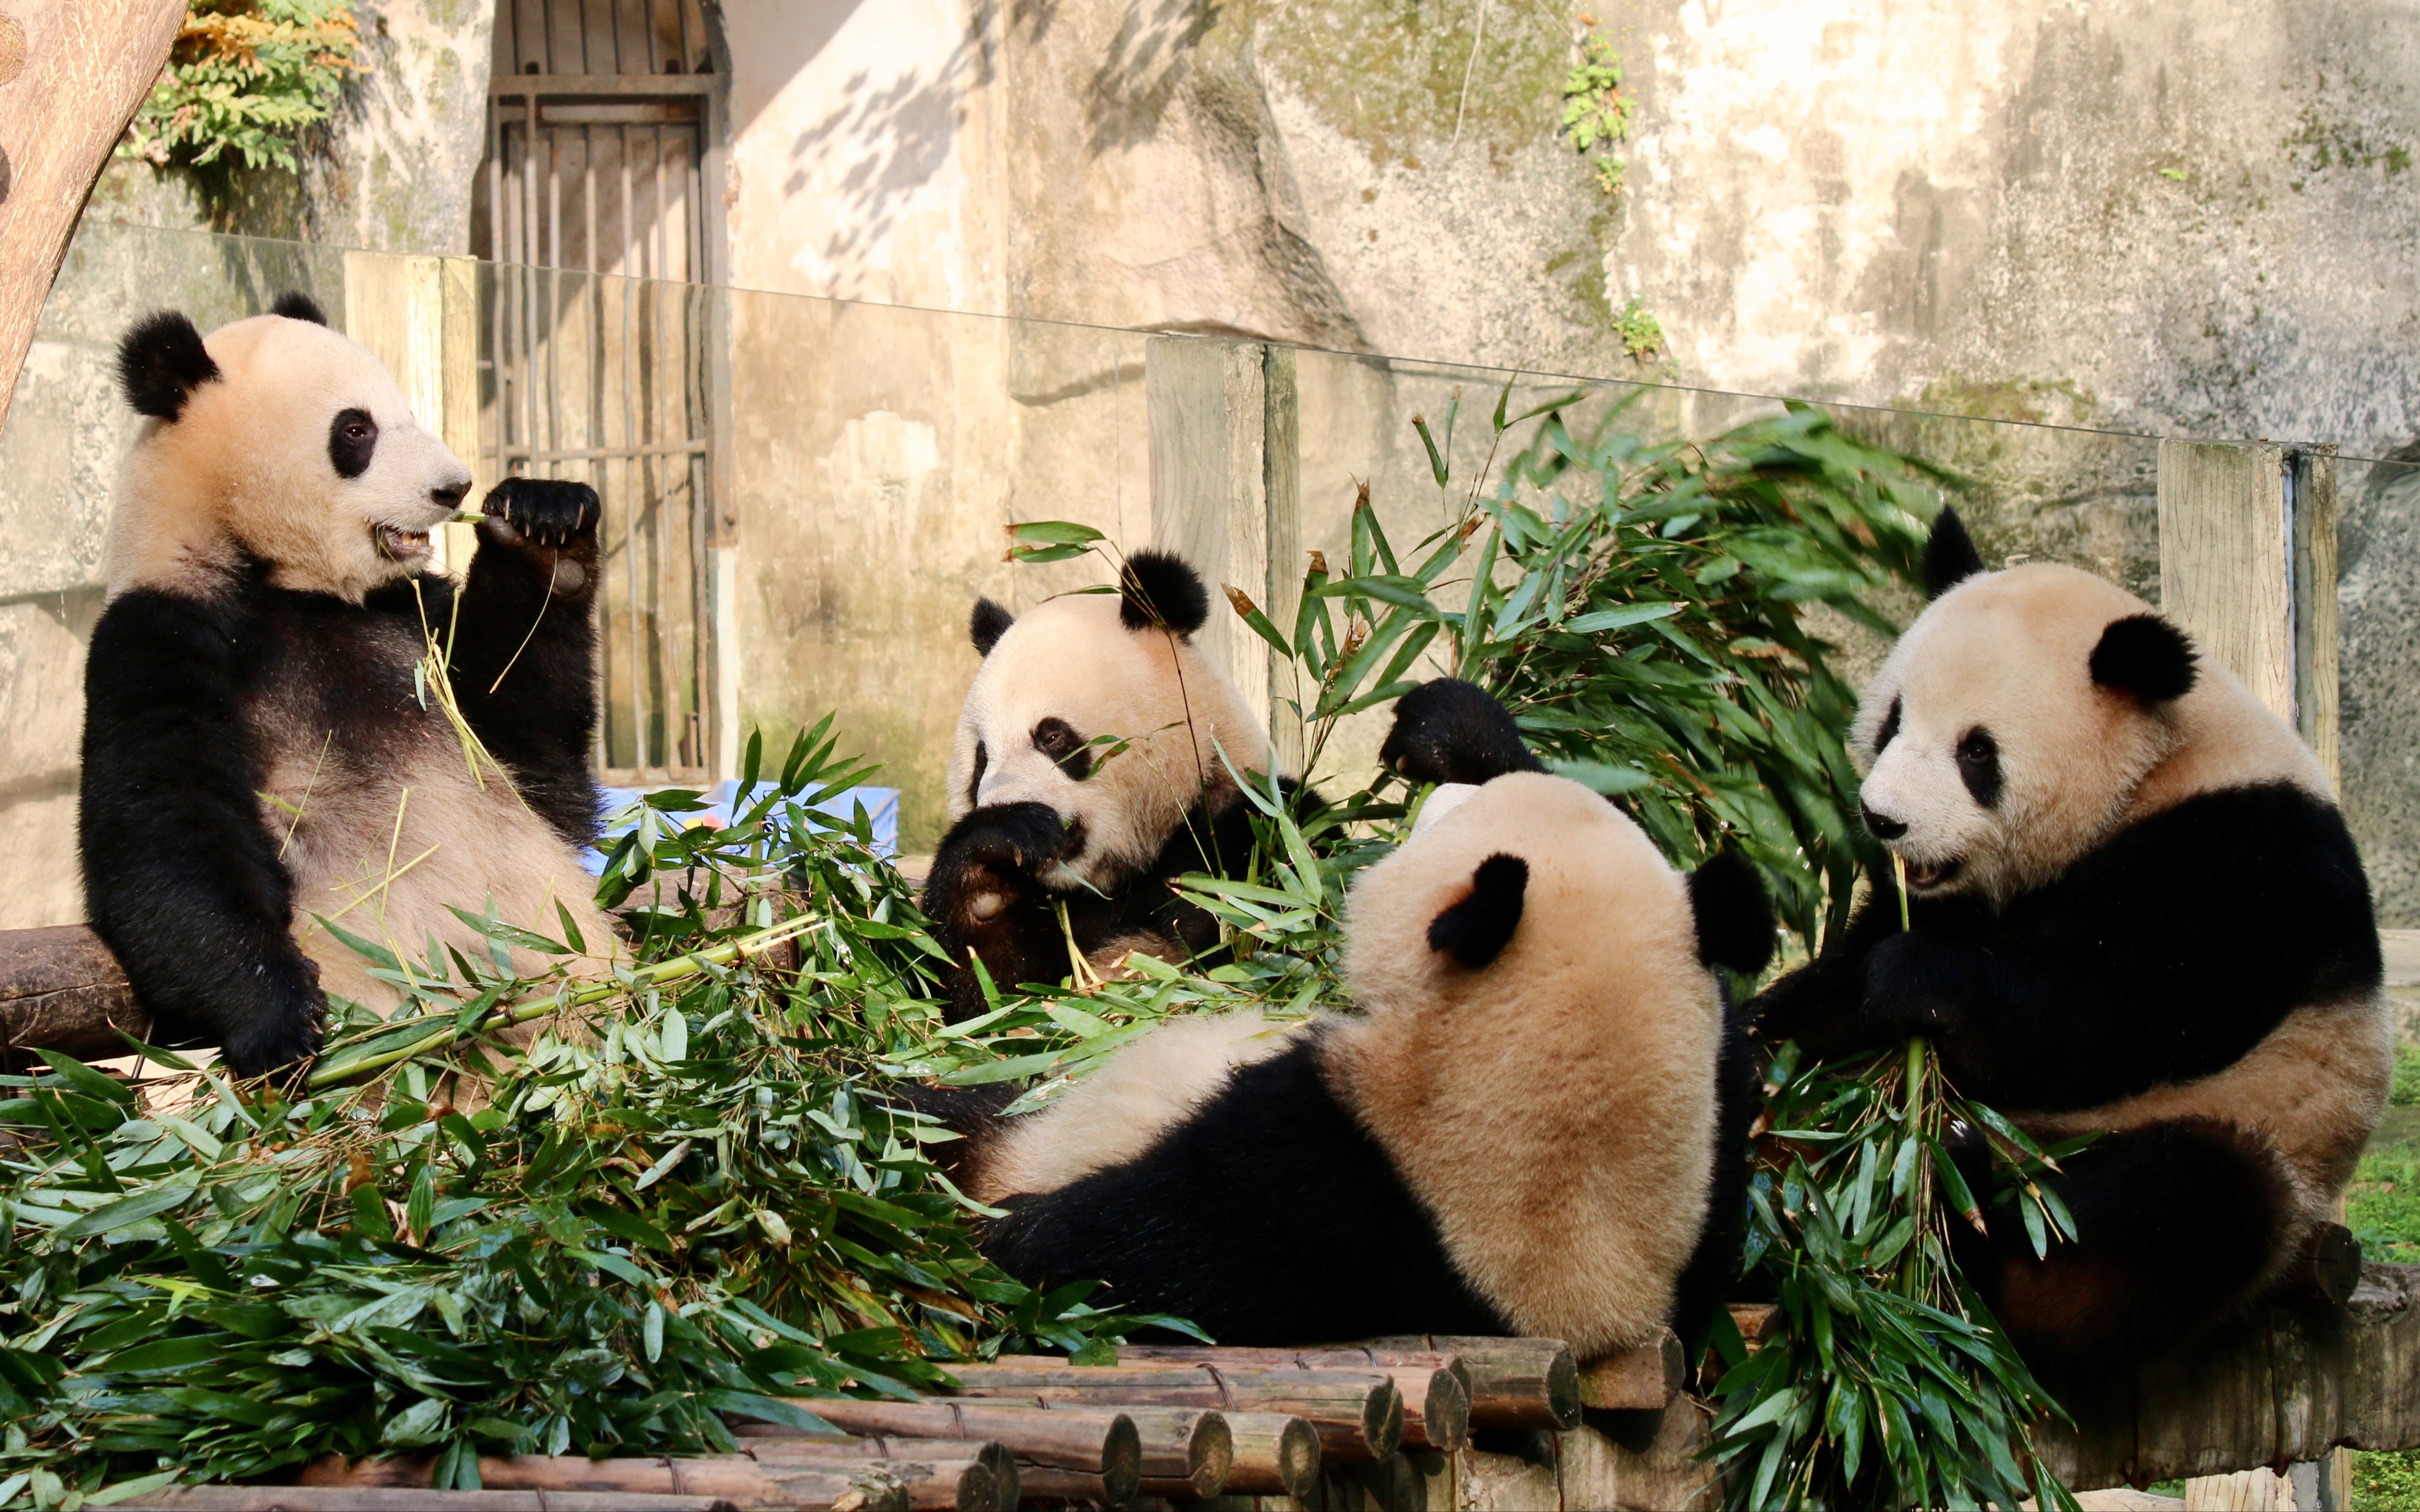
pixel 1889 732
pixel 1057 739
pixel 352 437
pixel 974 783
pixel 1978 764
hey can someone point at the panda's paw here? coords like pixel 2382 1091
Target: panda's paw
pixel 1005 837
pixel 1449 731
pixel 285 1036
pixel 1912 986
pixel 547 510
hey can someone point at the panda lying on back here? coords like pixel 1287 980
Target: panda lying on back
pixel 1088 775
pixel 256 751
pixel 2134 908
pixel 1516 1134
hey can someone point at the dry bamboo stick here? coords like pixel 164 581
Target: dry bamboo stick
pixel 1275 1455
pixel 864 1482
pixel 1514 1383
pixel 1647 1377
pixel 1435 1385
pixel 1093 1441
pixel 1357 1414
pixel 404 1499
pixel 1185 1451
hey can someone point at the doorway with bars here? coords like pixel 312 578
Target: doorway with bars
pixel 603 336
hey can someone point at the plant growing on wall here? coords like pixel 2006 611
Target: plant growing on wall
pixel 244 79
pixel 1595 115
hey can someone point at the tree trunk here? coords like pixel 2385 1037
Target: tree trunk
pixel 71 72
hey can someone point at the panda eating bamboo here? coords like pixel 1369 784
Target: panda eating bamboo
pixel 263 749
pixel 2133 911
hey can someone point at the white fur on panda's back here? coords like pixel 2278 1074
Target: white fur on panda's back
pixel 1121 1109
pixel 1555 1109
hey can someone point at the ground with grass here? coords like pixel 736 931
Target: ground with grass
pixel 2384 1208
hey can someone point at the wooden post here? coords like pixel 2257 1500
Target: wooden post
pixel 1225 495
pixel 2248 568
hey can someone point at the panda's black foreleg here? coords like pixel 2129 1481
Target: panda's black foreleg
pixel 525 645
pixel 982 897
pixel 2177 1225
pixel 1821 1004
pixel 182 876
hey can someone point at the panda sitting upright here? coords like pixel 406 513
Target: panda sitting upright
pixel 1090 770
pixel 258 746
pixel 2135 910
pixel 1517 1133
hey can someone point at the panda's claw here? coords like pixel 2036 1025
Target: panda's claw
pixel 555 512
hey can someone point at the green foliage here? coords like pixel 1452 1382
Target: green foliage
pixel 243 79
pixel 1641 334
pixel 2405 1092
pixel 2386 1482
pixel 1888 1383
pixel 1594 112
pixel 2382 1204
pixel 697 1206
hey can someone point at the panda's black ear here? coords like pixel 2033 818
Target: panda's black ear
pixel 2147 657
pixel 989 622
pixel 1157 588
pixel 296 305
pixel 1949 555
pixel 160 362
pixel 1477 929
pixel 1734 916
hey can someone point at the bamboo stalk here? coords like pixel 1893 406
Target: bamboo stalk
pixel 1514 1383
pixel 1099 1441
pixel 1274 1455
pixel 399 1498
pixel 1357 1414
pixel 1644 1378
pixel 1435 1385
pixel 775 1443
pixel 1186 1452
pixel 330 1070
pixel 867 1482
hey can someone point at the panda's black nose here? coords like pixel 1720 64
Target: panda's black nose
pixel 451 495
pixel 1880 827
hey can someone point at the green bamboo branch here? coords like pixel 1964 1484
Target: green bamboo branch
pixel 339 1069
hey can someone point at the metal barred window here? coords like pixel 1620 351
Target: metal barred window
pixel 600 330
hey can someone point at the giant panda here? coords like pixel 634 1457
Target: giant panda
pixel 258 753
pixel 1514 1134
pixel 2135 911
pixel 1095 761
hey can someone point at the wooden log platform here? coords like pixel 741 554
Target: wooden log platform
pixel 1357 1414
pixel 60 989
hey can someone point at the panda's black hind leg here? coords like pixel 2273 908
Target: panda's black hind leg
pixel 2177 1225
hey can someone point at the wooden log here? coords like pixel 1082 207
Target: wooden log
pixel 1275 1455
pixel 1645 1379
pixel 1185 1451
pixel 1047 1487
pixel 2287 1385
pixel 1514 1383
pixel 1393 1484
pixel 1097 1440
pixel 2328 1269
pixel 772 1442
pixel 403 1499
pixel 60 989
pixel 1435 1385
pixel 866 1482
pixel 1357 1414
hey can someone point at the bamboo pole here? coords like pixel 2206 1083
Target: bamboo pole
pixel 1514 1383
pixel 773 1443
pixel 1274 1455
pixel 741 1479
pixel 1357 1414
pixel 1435 1387
pixel 403 1499
pixel 1097 1442
pixel 1185 1451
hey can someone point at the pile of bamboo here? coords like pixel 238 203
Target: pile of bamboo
pixel 1165 1422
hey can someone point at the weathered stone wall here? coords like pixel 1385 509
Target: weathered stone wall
pixel 2155 217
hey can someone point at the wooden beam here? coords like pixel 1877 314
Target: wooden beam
pixel 60 989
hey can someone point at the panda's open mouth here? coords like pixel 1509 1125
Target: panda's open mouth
pixel 397 543
pixel 1926 875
